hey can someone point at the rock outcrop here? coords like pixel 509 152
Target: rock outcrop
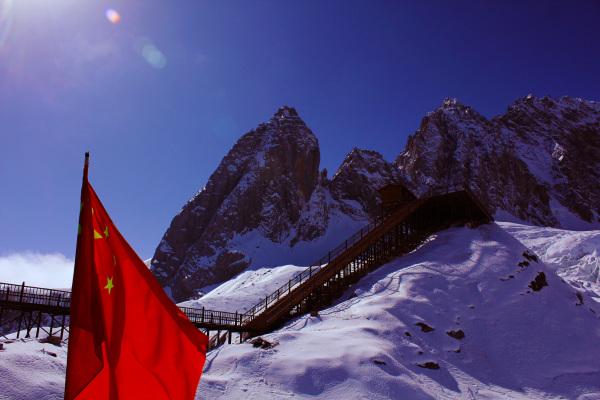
pixel 539 162
pixel 267 203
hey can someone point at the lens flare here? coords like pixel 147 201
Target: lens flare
pixel 150 53
pixel 154 56
pixel 113 16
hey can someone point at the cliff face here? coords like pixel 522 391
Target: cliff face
pixel 267 203
pixel 539 162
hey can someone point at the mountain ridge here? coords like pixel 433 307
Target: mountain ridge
pixel 268 203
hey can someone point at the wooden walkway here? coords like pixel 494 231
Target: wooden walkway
pixel 390 236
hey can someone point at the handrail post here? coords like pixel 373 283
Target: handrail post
pixel 202 315
pixel 22 291
pixel 310 271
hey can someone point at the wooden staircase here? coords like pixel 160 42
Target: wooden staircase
pixel 398 232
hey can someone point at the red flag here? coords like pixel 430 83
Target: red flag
pixel 127 340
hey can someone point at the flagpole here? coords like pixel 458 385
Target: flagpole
pixel 86 165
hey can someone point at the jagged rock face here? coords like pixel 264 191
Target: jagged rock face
pixel 363 172
pixel 266 192
pixel 540 158
pixel 262 183
pixel 268 204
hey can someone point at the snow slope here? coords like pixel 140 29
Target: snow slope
pixel 518 343
pixel 29 370
pixel 245 290
pixel 575 255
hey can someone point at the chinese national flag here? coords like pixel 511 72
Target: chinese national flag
pixel 127 340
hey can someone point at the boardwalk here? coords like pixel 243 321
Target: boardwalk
pixel 400 230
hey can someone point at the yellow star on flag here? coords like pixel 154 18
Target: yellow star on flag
pixel 106 232
pixel 109 284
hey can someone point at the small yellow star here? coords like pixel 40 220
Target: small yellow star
pixel 106 232
pixel 109 284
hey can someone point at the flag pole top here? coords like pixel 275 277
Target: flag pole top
pixel 85 165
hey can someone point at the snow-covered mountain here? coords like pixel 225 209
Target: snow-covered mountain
pixel 268 204
pixel 495 334
pixel 539 162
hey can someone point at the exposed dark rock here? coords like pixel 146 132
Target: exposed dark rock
pixel 54 340
pixel 50 353
pixel 407 334
pixel 579 299
pixel 530 256
pixel 429 365
pixel 424 327
pixel 539 282
pixel 262 343
pixel 457 334
pixel 363 172
pixel 379 362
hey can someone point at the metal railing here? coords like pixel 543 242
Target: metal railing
pixel 211 317
pixel 12 294
pixel 21 294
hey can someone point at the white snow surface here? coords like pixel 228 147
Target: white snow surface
pixel 245 290
pixel 28 370
pixel 574 255
pixel 518 344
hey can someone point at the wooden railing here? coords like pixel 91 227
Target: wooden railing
pixel 307 273
pixel 412 222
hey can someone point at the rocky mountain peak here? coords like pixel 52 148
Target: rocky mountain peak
pixel 261 186
pixel 286 112
pixel 523 162
pixel 268 204
pixel 359 177
pixel 452 109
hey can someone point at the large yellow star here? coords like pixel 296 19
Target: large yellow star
pixel 109 284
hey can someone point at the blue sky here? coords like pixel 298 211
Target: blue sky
pixel 160 97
